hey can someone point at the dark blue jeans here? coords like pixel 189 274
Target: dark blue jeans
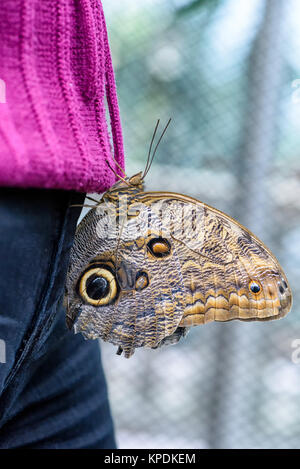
pixel 52 387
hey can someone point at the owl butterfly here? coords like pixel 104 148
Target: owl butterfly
pixel 146 266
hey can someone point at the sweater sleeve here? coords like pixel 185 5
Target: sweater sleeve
pixel 56 81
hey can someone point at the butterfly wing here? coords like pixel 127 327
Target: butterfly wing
pixel 143 272
pixel 228 272
pixel 150 300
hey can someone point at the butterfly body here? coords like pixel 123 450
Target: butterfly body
pixel 146 266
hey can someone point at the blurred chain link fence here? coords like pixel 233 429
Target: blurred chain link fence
pixel 227 72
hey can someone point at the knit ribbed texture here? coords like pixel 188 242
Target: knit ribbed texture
pixel 55 61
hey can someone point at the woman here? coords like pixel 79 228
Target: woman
pixel 54 140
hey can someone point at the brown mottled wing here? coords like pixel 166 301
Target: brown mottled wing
pixel 207 276
pixel 137 318
pixel 219 260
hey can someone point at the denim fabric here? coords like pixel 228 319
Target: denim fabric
pixel 52 387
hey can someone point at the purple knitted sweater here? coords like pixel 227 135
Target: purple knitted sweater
pixel 56 76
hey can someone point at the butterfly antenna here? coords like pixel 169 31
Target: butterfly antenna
pixel 150 148
pixel 116 174
pixel 159 140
